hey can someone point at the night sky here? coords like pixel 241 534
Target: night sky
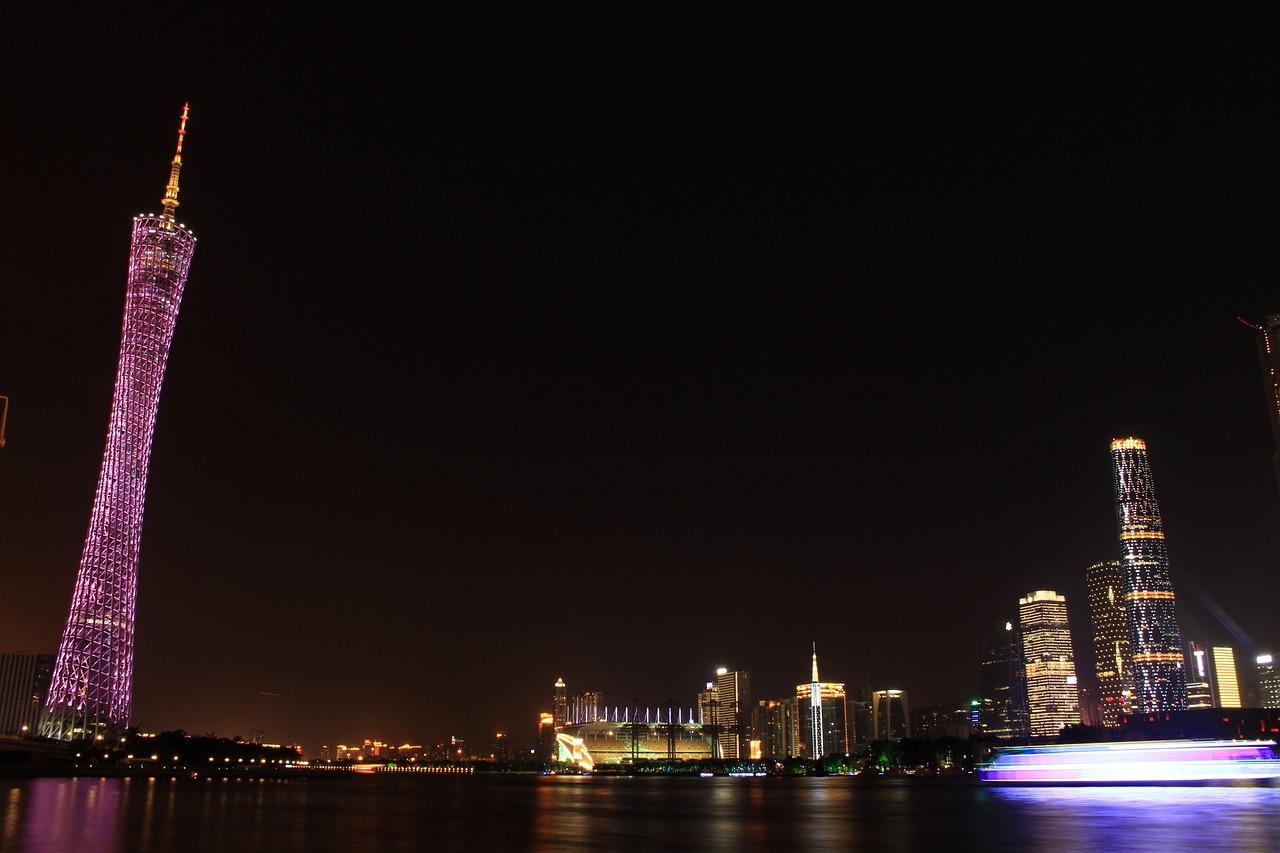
pixel 619 349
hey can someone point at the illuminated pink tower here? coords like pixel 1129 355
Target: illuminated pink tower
pixel 92 686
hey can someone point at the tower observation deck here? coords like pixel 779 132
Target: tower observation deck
pixel 92 685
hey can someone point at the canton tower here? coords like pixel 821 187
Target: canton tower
pixel 91 689
pixel 1160 681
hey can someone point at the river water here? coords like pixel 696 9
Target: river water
pixel 391 813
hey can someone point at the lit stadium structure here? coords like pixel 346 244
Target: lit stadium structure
pixel 632 739
pixel 91 688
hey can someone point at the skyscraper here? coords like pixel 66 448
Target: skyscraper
pixel 560 704
pixel 890 715
pixel 733 689
pixel 1113 659
pixel 1047 653
pixel 1158 673
pixel 1003 687
pixel 92 685
pixel 1268 681
pixel 1226 680
pixel 774 725
pixel 1269 358
pixel 825 728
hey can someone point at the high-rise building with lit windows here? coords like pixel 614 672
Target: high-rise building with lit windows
pixel 1049 659
pixel 775 729
pixel 1159 675
pixel 1113 660
pixel 1268 681
pixel 91 691
pixel 733 693
pixel 560 704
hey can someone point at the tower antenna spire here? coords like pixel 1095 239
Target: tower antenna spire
pixel 170 201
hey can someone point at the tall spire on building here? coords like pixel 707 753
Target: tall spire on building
pixel 816 749
pixel 170 202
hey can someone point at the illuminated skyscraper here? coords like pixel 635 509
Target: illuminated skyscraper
pixel 1047 653
pixel 1268 682
pixel 890 715
pixel 733 690
pixel 1226 680
pixel 92 685
pixel 1112 657
pixel 1158 673
pixel 825 728
pixel 560 704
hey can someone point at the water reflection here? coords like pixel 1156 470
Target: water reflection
pixel 1148 818
pixel 526 812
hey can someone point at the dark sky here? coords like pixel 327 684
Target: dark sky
pixel 619 349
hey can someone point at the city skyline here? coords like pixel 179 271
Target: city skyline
pixel 522 353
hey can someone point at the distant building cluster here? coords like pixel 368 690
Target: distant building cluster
pixel 1028 687
pixel 1143 667
pixel 724 722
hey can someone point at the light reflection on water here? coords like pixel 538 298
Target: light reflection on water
pixel 509 812
pixel 1148 818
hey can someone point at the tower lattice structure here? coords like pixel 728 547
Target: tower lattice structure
pixel 92 685
pixel 1159 675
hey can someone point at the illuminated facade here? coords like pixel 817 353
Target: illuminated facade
pixel 1113 660
pixel 654 737
pixel 1226 680
pixel 890 715
pixel 1047 654
pixel 92 684
pixel 1159 676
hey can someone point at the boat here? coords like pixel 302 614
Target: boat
pixel 1147 762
